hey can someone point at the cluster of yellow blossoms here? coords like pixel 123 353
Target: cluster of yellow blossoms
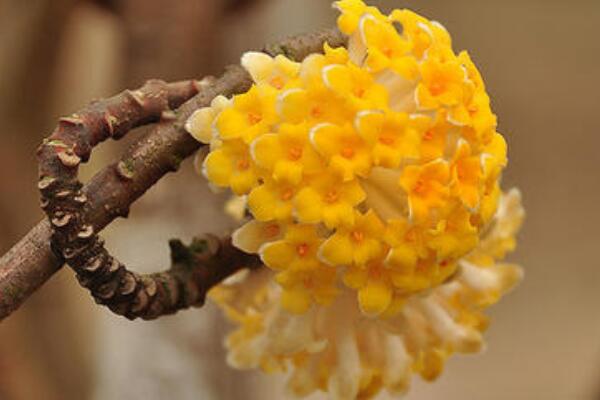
pixel 372 176
pixel 381 160
pixel 338 350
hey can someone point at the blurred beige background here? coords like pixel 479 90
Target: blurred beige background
pixel 540 60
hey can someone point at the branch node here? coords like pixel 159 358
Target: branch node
pixel 107 290
pixel 110 121
pixel 168 115
pixel 114 266
pixel 137 96
pixel 63 194
pixel 61 219
pixel 68 158
pixel 86 232
pixel 139 303
pixel 69 252
pixel 46 183
pixel 94 264
pixel 150 287
pixel 73 120
pixel 128 283
pixel 125 169
pixel 80 198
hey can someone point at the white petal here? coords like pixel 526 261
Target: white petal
pixel 402 91
pixel 343 383
pixel 199 124
pixel 384 194
pixel 462 338
pixel 396 375
pixel 253 234
pixel 258 64
pixel 235 207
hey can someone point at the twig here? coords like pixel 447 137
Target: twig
pixel 79 213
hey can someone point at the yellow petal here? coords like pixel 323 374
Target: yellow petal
pixel 308 206
pixel 355 277
pixel 301 233
pixel 261 202
pixel 324 137
pixel 352 193
pixel 402 258
pixel 337 250
pixel 242 182
pixel 367 250
pixel 375 297
pixel 218 168
pixel 433 364
pixel 287 66
pixel 288 171
pixel 296 301
pixel 338 78
pixel 368 124
pixel 231 123
pixel 266 150
pixel 292 105
pixel 277 255
pixel 339 214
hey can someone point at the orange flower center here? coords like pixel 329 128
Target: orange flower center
pixel 287 194
pixel 295 153
pixel 436 88
pixel 475 220
pixel 332 196
pixel 243 164
pixel 308 283
pixel 410 236
pixel 451 226
pixel 347 152
pixel 272 230
pixel 420 187
pixel 375 272
pixel 428 135
pixel 358 236
pixel 461 172
pixel 316 112
pixel 302 249
pixel 359 92
pixel 388 141
pixel 254 118
pixel 277 82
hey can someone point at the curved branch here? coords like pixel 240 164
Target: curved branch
pixel 78 213
pixel 30 262
pixel 75 237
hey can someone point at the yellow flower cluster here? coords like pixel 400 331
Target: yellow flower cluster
pixel 337 350
pixel 376 166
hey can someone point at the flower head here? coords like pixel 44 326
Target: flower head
pixel 322 144
pixel 372 180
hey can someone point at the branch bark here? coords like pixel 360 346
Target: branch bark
pixel 78 213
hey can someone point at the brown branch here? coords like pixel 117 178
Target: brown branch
pixel 79 213
pixel 30 262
